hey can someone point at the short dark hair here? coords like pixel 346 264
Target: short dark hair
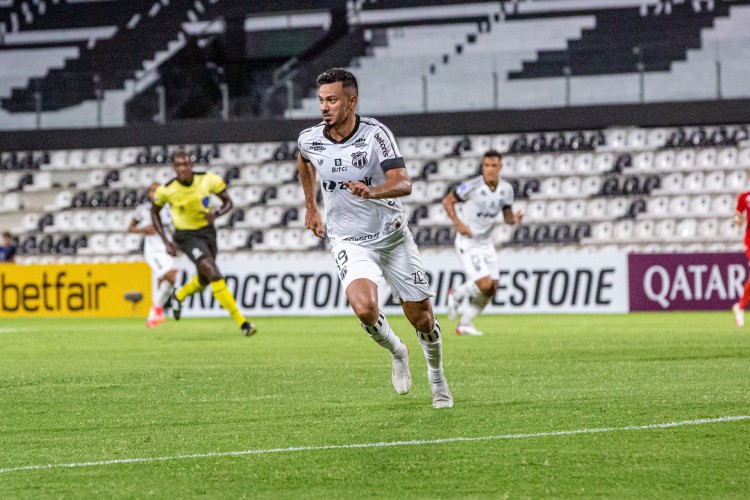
pixel 333 75
pixel 493 153
pixel 6 234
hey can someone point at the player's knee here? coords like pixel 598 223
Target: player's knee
pixel 425 322
pixel 367 313
pixel 488 288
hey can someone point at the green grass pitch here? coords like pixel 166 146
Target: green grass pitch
pixel 91 392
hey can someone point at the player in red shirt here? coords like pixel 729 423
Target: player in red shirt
pixel 743 202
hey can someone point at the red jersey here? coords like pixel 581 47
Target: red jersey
pixel 743 202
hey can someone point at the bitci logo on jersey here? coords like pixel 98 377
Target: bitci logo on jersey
pixel 359 159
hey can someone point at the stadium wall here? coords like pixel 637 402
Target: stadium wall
pixel 460 123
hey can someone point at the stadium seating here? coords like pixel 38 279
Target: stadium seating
pixel 83 200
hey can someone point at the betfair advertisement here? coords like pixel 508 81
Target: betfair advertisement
pixel 75 290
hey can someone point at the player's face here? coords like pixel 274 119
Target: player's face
pixel 183 168
pixel 335 104
pixel 491 167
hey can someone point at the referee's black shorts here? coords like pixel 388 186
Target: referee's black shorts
pixel 197 243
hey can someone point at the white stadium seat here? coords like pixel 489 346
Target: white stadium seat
pixel 550 187
pixel 672 183
pixel 544 164
pixel 685 159
pixel 556 210
pixel 693 182
pixel 714 181
pixel 132 243
pixel 222 239
pixel 602 231
pixel 570 186
pixel 80 220
pixel 664 229
pixel 576 209
pixel 115 243
pixel 596 208
pixel 584 164
pixel 743 158
pixel 727 158
pixel 736 180
pixel 658 206
pixel 686 229
pixel 706 158
pixel 700 205
pixel 679 205
pixel 664 160
pixel 708 229
pixel 623 230
pixel 723 205
pixel 643 161
pixel 238 238
pixel 564 164
pixel 604 162
pixel 591 185
pixel 643 229
pixel 617 207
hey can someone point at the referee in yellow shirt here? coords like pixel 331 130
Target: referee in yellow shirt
pixel 189 196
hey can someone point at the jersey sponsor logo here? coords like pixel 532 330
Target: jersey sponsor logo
pixel 359 159
pixel 420 278
pixel 205 201
pixel 337 162
pixel 383 145
pixel 330 186
pixel 360 143
pixel 317 146
pixel 366 237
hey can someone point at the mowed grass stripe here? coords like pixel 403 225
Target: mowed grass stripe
pixel 668 425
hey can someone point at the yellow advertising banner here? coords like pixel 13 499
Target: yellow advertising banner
pixel 75 290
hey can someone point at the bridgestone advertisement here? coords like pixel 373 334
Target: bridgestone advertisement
pixel 529 283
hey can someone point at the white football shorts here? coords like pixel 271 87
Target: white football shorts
pixel 479 258
pixel 395 259
pixel 160 263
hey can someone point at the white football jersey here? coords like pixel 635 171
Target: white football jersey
pixel 368 152
pixel 481 205
pixel 152 243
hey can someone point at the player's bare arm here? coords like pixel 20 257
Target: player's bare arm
pixel 738 218
pixel 159 228
pixel 512 217
pixel 397 184
pixel 226 206
pixel 313 220
pixel 449 204
pixel 147 230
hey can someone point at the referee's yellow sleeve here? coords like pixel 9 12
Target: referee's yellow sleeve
pixel 160 196
pixel 216 183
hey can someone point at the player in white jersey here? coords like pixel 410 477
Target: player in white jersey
pixel 362 175
pixel 163 271
pixel 473 207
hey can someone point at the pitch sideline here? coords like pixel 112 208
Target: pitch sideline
pixel 667 425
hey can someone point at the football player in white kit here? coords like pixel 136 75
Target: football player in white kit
pixel 473 207
pixel 163 271
pixel 362 175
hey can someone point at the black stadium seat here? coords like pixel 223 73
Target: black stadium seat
pixel 521 235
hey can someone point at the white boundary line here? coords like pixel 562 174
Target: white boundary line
pixel 667 425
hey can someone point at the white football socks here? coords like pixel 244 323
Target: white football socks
pixel 432 345
pixel 475 306
pixel 469 289
pixel 161 295
pixel 381 333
